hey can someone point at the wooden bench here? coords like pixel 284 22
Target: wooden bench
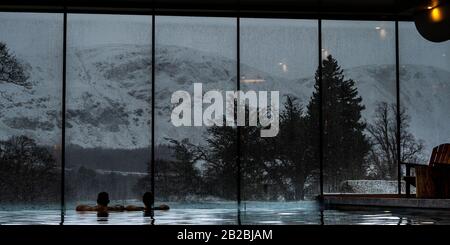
pixel 432 180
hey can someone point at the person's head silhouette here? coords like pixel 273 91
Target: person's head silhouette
pixel 147 199
pixel 103 199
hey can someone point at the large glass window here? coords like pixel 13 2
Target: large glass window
pixel 108 126
pixel 195 159
pixel 279 56
pixel 424 94
pixel 30 117
pixel 359 94
pixel 197 143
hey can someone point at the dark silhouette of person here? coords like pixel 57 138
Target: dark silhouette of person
pixel 148 201
pixel 102 205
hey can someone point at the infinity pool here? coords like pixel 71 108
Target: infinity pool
pixel 222 213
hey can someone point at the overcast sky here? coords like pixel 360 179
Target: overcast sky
pixel 285 48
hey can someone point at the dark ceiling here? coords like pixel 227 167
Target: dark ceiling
pixel 336 8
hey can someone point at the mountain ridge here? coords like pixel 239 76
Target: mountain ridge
pixel 109 94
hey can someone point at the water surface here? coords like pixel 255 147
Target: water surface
pixel 225 213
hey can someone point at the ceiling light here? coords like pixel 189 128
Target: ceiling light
pixel 253 80
pixel 383 33
pixel 436 15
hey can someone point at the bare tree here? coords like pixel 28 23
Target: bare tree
pixel 383 138
pixel 28 172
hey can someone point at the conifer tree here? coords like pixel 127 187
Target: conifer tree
pixel 11 71
pixel 345 144
pixel 293 147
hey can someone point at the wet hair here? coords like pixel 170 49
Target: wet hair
pixel 147 198
pixel 103 199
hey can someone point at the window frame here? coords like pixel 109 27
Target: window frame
pixel 237 14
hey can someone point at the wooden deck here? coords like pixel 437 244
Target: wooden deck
pixel 383 200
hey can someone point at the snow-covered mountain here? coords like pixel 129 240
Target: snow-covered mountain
pixel 109 94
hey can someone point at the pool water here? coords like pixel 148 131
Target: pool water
pixel 225 213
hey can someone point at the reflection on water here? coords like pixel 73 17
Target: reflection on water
pixel 219 213
pixel 305 213
pixel 30 217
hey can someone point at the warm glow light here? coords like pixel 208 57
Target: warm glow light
pixel 253 80
pixel 324 53
pixel 383 33
pixel 433 4
pixel 436 15
pixel 283 66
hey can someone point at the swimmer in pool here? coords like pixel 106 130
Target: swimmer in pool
pixel 147 199
pixel 102 205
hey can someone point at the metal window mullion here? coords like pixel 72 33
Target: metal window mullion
pixel 63 120
pixel 321 128
pixel 398 117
